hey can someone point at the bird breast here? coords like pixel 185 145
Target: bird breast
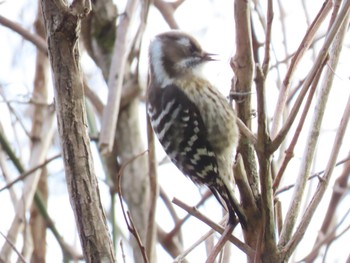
pixel 218 116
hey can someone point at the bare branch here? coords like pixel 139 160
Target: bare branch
pixel 339 26
pixel 39 42
pixel 154 190
pixel 264 158
pixel 338 193
pixel 244 130
pixel 315 175
pixel 38 156
pixel 181 258
pixel 121 51
pixel 62 29
pixel 167 10
pixel 304 45
pixel 241 179
pixel 221 243
pixel 193 211
pixel 127 217
pixel 327 234
pixel 14 248
pixel 242 65
pixel 289 152
pixel 29 172
pixel 266 63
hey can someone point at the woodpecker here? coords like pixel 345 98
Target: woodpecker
pixel 193 121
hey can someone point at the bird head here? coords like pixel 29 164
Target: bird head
pixel 175 54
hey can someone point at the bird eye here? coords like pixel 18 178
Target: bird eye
pixel 194 50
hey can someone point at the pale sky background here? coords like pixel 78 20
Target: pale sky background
pixel 213 26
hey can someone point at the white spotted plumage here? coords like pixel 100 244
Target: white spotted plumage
pixel 191 118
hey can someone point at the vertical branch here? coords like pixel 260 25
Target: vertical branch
pixel 135 183
pixel 121 51
pixel 266 244
pixel 264 158
pixel 290 150
pixel 40 93
pixel 101 37
pixel 282 18
pixel 62 27
pixel 138 185
pixel 266 62
pixel 242 66
pixel 38 155
pixel 304 171
pixel 242 62
pixel 151 235
pixel 339 192
pixel 304 45
pixel 308 81
pixel 322 185
pixel 154 191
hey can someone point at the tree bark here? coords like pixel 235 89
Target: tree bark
pixel 37 221
pixel 62 29
pixel 128 142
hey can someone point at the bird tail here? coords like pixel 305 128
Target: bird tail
pixel 226 194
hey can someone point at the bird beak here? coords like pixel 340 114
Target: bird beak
pixel 209 57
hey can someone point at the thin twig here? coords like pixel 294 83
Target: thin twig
pixel 180 258
pixel 122 249
pixel 14 248
pixel 277 140
pixel 42 46
pixel 338 29
pixel 14 112
pixel 29 172
pixel 30 101
pixel 221 243
pixel 127 217
pixel 241 179
pixel 177 227
pixel 290 150
pixel 194 212
pixel 318 174
pixel 39 153
pixel 339 190
pixel 282 18
pixel 340 25
pixel 169 205
pixel 167 10
pixel 39 42
pixel 304 45
pixel 266 62
pixel 327 238
pixel 335 237
pixel 246 131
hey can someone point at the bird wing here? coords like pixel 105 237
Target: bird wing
pixel 181 131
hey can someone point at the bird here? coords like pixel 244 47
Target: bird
pixel 191 118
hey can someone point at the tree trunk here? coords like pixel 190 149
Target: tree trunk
pixel 62 29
